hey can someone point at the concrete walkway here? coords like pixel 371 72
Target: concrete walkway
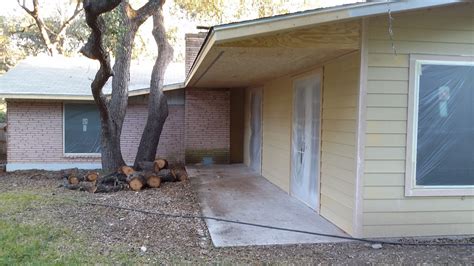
pixel 234 192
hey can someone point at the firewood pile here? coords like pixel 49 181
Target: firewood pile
pixel 149 175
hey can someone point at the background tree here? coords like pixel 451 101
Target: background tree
pixel 52 38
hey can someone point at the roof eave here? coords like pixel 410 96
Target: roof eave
pixel 69 97
pixel 26 96
pixel 246 29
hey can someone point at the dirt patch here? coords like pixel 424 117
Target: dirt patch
pixel 107 231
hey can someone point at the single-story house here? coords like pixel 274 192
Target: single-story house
pixel 363 112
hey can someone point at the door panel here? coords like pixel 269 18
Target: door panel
pixel 256 130
pixel 306 140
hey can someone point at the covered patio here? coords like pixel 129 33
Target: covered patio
pixel 235 192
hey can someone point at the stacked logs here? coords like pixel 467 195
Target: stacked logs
pixel 150 174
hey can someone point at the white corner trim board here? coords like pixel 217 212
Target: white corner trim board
pixel 51 166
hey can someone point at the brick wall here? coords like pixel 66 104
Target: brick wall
pixel 193 45
pixel 172 138
pixel 35 133
pixel 207 123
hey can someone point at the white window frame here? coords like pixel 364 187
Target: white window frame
pixel 73 155
pixel 411 188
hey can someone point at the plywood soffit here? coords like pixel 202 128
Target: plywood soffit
pixel 344 35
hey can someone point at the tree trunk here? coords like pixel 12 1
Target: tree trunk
pixel 112 111
pixel 157 104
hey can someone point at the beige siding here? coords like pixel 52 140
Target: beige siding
pixel 387 212
pixel 341 81
pixel 277 110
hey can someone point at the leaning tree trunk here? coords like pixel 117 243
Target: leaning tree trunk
pixel 157 104
pixel 94 49
pixel 112 110
pixel 112 127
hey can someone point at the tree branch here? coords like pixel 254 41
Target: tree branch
pixel 29 11
pixel 51 47
pixel 150 8
pixel 94 49
pixel 66 23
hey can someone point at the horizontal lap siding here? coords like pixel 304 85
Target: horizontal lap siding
pixel 387 212
pixel 277 111
pixel 341 81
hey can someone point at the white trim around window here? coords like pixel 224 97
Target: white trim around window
pixel 411 188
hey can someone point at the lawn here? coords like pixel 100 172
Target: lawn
pixel 41 223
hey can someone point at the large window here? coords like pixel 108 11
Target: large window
pixel 441 130
pixel 81 129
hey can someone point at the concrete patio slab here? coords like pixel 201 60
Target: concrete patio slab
pixel 234 192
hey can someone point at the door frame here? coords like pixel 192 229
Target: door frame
pixel 261 91
pixel 318 71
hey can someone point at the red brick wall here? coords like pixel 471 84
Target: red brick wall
pixel 193 45
pixel 207 126
pixel 35 133
pixel 172 138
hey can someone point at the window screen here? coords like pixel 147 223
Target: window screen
pixel 445 135
pixel 81 128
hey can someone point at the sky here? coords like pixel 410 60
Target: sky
pixel 181 24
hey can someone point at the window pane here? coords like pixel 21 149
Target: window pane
pixel 445 143
pixel 81 128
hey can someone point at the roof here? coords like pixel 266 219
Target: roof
pixel 62 77
pixel 220 35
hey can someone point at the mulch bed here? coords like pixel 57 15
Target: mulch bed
pixel 162 239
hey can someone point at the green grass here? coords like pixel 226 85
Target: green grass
pixel 41 243
pixel 19 201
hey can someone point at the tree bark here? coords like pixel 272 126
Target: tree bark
pixel 113 110
pixel 157 104
pixel 94 49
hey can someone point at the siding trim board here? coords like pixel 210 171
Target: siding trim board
pixel 361 123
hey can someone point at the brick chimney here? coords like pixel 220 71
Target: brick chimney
pixel 193 45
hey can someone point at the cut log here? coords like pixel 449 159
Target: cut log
pixel 136 181
pixel 92 176
pixel 181 175
pixel 126 170
pixel 167 175
pixel 160 164
pixel 113 178
pixel 102 188
pixel 73 179
pixel 65 173
pixel 82 186
pixel 146 166
pixel 152 180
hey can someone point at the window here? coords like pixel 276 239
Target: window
pixel 81 129
pixel 440 151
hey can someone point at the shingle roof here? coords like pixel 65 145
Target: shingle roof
pixel 43 75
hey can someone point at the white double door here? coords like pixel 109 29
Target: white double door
pixel 305 161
